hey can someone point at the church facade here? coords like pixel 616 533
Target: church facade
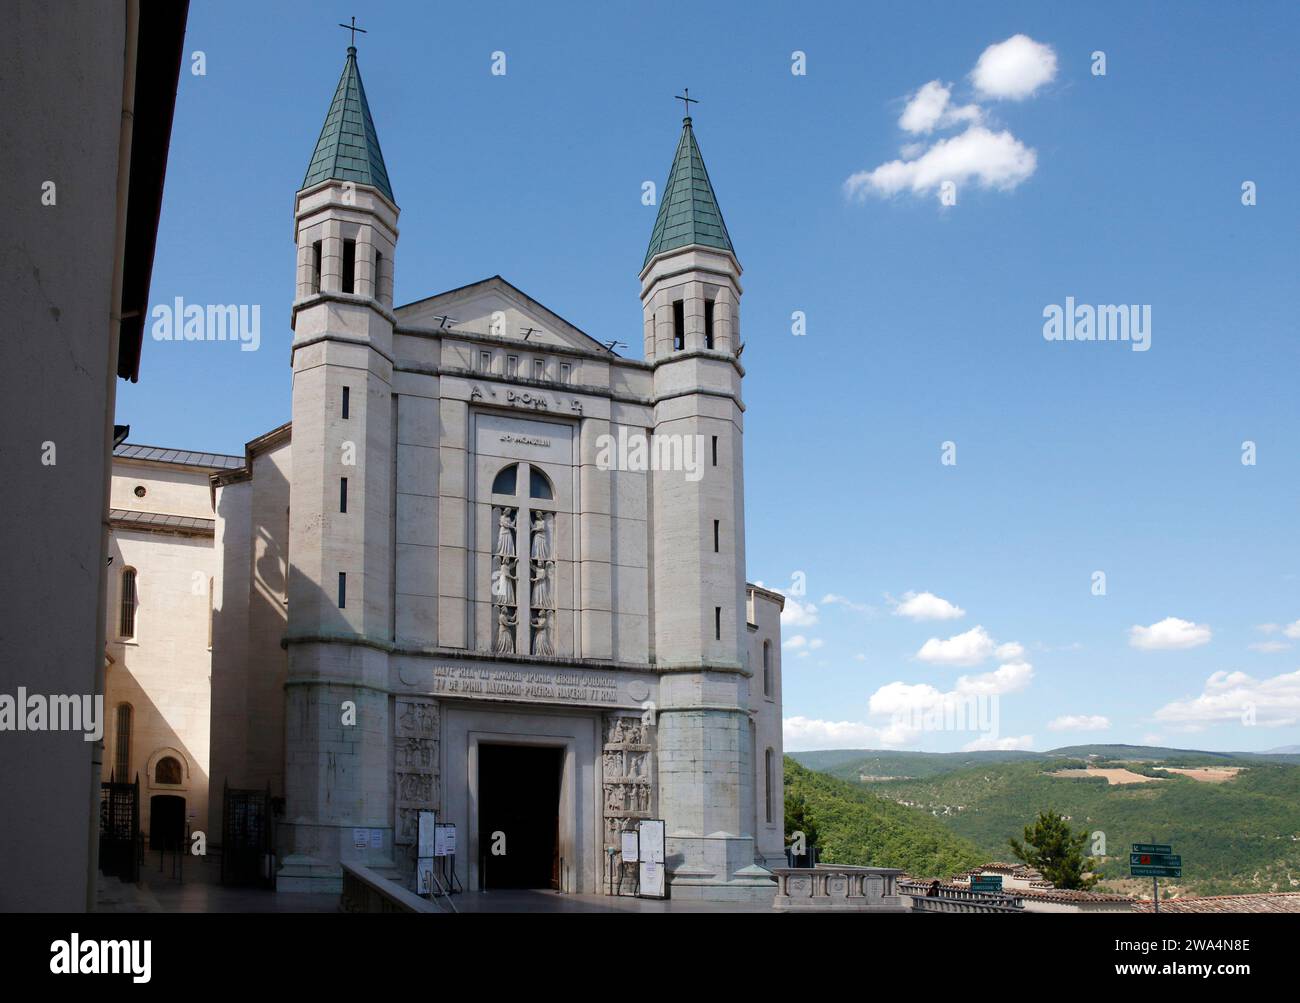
pixel 493 569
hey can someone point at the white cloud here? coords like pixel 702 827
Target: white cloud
pixel 802 734
pixel 926 606
pixel 932 107
pixel 989 159
pixel 1269 647
pixel 1014 69
pixel 1004 679
pixel 1170 634
pixel 798 614
pixel 1232 697
pixel 1080 722
pixel 906 705
pixel 991 742
pixel 795 642
pixel 969 648
pixel 1267 628
pixel 831 599
pixel 900 698
pixel 1292 630
pixel 1010 650
pixel 815 643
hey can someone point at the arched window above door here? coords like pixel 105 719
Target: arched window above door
pixel 505 480
pixel 168 771
pixel 539 485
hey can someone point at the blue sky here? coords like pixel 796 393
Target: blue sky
pixel 924 320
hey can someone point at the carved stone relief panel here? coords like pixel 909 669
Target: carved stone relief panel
pixel 626 772
pixel 415 755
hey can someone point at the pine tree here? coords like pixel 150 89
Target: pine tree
pixel 1056 851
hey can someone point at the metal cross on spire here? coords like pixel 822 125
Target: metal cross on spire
pixel 686 100
pixel 354 29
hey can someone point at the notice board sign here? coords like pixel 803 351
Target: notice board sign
pixel 650 839
pixel 629 847
pixel 426 840
pixel 444 840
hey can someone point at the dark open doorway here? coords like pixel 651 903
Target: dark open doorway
pixel 519 797
pixel 166 822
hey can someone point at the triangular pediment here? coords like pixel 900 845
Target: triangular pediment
pixel 494 307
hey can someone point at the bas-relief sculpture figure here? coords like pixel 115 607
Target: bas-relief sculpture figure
pixel 505 631
pixel 506 533
pixel 503 583
pixel 541 548
pixel 541 580
pixel 541 635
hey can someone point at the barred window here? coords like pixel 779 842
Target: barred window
pixel 122 757
pixel 129 603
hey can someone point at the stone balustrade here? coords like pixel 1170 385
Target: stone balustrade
pixel 366 891
pixel 838 888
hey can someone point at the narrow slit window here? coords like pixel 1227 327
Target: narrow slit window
pixel 539 369
pixel 343 590
pixel 566 372
pixel 715 450
pixel 767 668
pixel 485 362
pixel 717 623
pixel 379 271
pixel 349 265
pixel 130 602
pixel 679 325
pixel 343 494
pixel 512 365
pixel 708 324
pixel 122 759
pixel 347 400
pixel 716 527
pixel 315 267
pixel 768 759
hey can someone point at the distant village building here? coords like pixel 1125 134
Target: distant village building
pixel 1023 886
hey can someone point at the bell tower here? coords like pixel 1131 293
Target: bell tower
pixel 340 519
pixel 690 295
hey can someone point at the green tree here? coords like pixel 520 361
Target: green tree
pixel 797 818
pixel 1053 848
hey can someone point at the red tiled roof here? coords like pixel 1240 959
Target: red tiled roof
pixel 1263 902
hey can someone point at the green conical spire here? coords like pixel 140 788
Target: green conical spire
pixel 688 211
pixel 348 148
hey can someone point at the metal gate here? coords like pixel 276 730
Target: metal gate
pixel 246 837
pixel 119 830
